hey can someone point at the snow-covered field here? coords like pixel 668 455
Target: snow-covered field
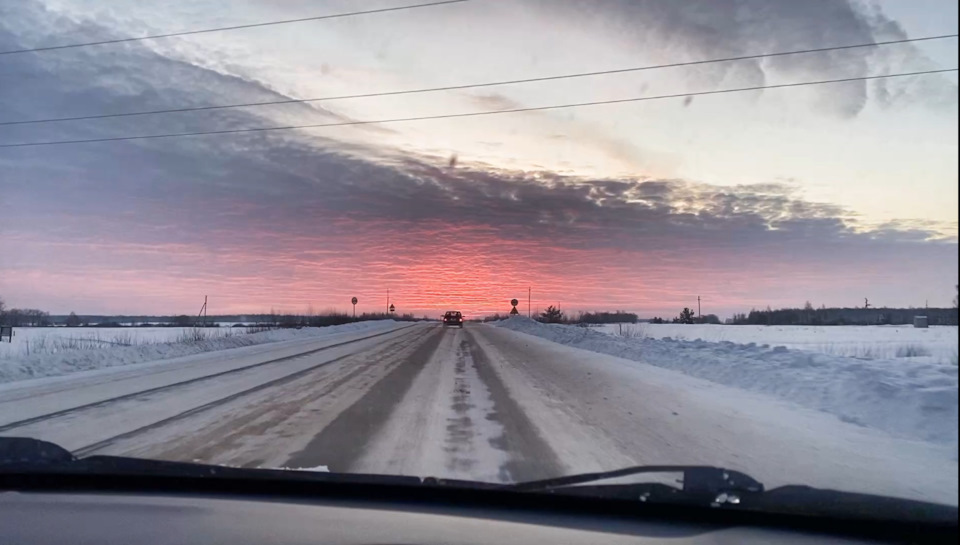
pixel 937 344
pixel 45 352
pixel 33 340
pixel 911 398
pixel 503 406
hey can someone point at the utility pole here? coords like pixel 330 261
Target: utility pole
pixel 529 290
pixel 388 300
pixel 203 312
pixel 699 315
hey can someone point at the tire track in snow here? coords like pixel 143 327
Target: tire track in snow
pixel 266 428
pixel 179 384
pixel 457 421
pixel 529 455
pixel 473 436
pixel 344 440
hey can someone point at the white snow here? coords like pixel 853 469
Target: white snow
pixel 40 340
pixel 29 399
pixel 318 469
pixel 442 427
pixel 591 411
pixel 937 344
pixel 22 367
pixel 907 399
pixel 602 412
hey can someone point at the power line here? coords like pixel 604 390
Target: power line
pixel 473 85
pixel 475 114
pixel 235 27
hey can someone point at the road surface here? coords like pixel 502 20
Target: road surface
pixel 474 403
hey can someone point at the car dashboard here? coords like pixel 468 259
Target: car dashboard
pixel 41 518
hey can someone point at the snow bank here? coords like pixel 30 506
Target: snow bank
pixel 70 361
pixel 906 399
pixel 937 344
pixel 37 340
pixel 318 469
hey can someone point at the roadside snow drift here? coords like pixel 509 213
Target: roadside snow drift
pixel 937 344
pixel 71 361
pixel 906 399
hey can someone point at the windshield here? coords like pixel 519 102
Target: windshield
pixel 685 233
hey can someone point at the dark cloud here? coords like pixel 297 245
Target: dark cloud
pixel 121 78
pixel 282 177
pixel 703 29
pixel 213 192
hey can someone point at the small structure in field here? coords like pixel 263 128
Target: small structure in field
pixel 921 322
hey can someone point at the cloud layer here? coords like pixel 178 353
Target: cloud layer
pixel 703 29
pixel 291 219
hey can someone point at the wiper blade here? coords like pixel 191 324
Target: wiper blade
pixel 25 451
pixel 695 479
pixel 27 456
pixel 719 487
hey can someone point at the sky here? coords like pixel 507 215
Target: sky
pixel 828 194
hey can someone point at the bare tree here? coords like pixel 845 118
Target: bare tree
pixel 73 320
pixel 182 320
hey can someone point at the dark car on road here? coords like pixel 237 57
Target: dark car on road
pixel 453 317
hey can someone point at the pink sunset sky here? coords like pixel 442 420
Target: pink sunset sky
pixel 778 197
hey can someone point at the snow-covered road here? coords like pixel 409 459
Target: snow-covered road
pixel 477 403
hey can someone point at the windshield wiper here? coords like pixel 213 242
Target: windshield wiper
pixel 724 488
pixel 24 460
pixel 713 485
pixel 28 456
pixel 23 455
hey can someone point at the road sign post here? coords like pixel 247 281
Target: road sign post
pixel 354 301
pixel 514 311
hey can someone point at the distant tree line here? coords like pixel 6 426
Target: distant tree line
pixel 25 317
pixel 18 317
pixel 616 317
pixel 845 316
pixel 553 315
pixel 334 318
pixel 687 316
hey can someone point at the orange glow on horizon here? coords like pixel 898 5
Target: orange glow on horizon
pixel 426 271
